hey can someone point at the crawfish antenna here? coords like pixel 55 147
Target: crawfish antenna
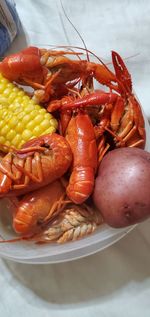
pixel 81 38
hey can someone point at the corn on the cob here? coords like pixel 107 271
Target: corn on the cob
pixel 21 119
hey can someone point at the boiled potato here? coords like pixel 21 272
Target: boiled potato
pixel 122 187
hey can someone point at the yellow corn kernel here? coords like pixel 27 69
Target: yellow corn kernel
pixel 13 122
pixel 17 139
pixel 19 127
pixel 37 131
pixel 31 125
pixel 10 135
pixel 39 119
pixel 53 123
pixel 50 130
pixel 2 139
pixel 21 119
pixel 5 130
pixel 27 134
pixel 45 123
pixel 26 119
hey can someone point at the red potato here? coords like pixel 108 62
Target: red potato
pixel 122 187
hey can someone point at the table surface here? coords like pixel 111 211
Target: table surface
pixel 116 281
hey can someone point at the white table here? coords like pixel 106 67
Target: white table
pixel 115 282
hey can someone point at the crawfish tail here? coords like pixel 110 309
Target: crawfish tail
pixel 80 184
pixel 81 137
pixel 73 223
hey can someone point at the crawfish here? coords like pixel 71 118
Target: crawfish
pixel 80 135
pixel 49 71
pixel 47 215
pixel 40 161
pixel 32 66
pixel 73 223
pixel 120 114
pixel 34 210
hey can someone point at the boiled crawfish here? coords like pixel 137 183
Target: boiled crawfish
pixel 40 161
pixel 33 211
pixel 80 135
pixel 47 215
pixel 119 113
pixel 49 71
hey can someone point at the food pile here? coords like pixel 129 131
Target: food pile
pixel 72 156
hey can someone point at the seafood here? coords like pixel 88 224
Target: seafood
pixel 30 67
pixel 48 71
pixel 126 118
pixel 35 209
pixel 91 122
pixel 40 161
pixel 73 223
pixel 80 135
pixel 120 113
pixel 65 221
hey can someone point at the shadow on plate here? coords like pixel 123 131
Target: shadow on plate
pixel 92 278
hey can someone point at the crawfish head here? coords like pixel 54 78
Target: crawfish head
pixel 24 66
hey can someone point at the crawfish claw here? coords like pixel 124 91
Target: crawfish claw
pixel 122 73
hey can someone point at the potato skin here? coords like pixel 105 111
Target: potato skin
pixel 122 187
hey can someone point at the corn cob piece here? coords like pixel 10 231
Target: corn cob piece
pixel 21 119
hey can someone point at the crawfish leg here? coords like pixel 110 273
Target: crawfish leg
pixel 27 171
pixel 57 207
pixel 9 174
pixel 117 113
pixel 65 117
pixel 139 122
pixel 133 132
pixel 7 167
pixel 23 167
pixel 102 148
pixel 125 129
pixel 5 180
pixel 45 91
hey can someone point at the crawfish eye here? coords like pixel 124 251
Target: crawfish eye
pixel 40 222
pixel 47 146
pixel 47 149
